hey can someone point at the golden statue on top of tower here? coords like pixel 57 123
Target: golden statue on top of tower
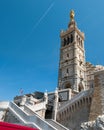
pixel 72 14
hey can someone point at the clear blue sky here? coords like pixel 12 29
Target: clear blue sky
pixel 30 42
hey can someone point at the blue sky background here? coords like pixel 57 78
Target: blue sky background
pixel 30 42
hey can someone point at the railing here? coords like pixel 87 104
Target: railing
pixel 36 107
pixel 74 99
pixel 56 124
pixel 34 120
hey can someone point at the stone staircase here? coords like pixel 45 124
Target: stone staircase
pixel 11 118
pixel 21 116
pixel 17 115
pixel 57 125
pixel 31 120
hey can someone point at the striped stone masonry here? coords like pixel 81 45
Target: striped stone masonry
pixel 97 105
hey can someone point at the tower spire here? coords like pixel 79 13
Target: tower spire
pixel 72 21
pixel 72 14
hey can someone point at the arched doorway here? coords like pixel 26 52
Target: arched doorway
pixel 67 85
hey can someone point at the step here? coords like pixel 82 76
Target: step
pixel 57 125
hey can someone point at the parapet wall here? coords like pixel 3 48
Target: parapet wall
pixel 76 111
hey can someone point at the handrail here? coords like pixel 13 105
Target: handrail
pixel 22 118
pixel 76 98
pixel 36 114
pixel 60 124
pixel 30 119
pixel 57 124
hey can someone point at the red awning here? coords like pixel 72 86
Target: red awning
pixel 9 126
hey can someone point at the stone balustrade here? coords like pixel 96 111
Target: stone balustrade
pixel 78 106
pixel 75 99
pixel 72 105
pixel 36 107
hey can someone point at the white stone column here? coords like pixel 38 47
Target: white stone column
pixel 31 100
pixel 46 97
pixel 70 92
pixel 45 102
pixel 55 105
pixel 23 101
pixel 75 67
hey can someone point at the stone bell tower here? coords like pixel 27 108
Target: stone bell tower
pixel 72 58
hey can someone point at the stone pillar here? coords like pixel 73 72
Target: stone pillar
pixel 75 78
pixel 23 101
pixel 70 91
pixel 55 105
pixel 45 103
pixel 46 97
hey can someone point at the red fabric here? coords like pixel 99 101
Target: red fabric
pixel 9 126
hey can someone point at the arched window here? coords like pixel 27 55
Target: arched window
pixel 67 110
pixel 78 103
pixel 87 100
pixel 81 44
pixel 68 85
pixel 84 100
pixel 70 109
pixel 67 40
pixel 75 106
pixel 64 41
pixel 91 85
pixel 79 41
pixel 71 38
pixel 67 70
pixel 77 38
pixel 81 102
pixel 67 55
pixel 90 99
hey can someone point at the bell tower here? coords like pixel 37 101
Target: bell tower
pixel 72 58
